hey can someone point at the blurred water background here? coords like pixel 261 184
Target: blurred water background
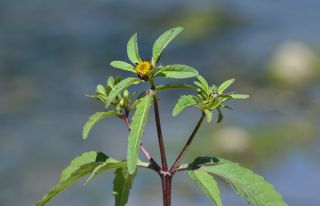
pixel 54 52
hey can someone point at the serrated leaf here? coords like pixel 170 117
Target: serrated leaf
pixel 123 65
pixel 83 159
pixel 93 119
pixel 107 165
pixel 245 183
pixel 139 121
pixel 175 86
pixel 121 186
pixel 177 71
pixel 239 96
pixel 207 184
pixel 162 42
pixel 208 115
pixel 121 86
pixel 78 168
pixel 132 49
pixel 183 102
pixel 225 85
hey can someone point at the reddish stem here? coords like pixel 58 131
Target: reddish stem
pixel 187 145
pixel 160 137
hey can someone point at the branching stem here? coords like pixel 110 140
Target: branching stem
pixel 153 163
pixel 176 163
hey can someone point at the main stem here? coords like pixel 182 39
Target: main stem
pixel 166 177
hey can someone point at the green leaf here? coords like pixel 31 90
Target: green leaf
pixel 225 85
pixel 208 115
pixel 132 49
pixel 93 119
pixel 121 186
pixel 183 102
pixel 220 116
pixel 123 65
pixel 203 84
pixel 175 86
pixel 78 168
pixel 207 184
pixel 121 86
pixel 162 42
pixel 83 159
pixel 139 121
pixel 239 96
pixel 107 165
pixel 101 90
pixel 177 71
pixel 245 183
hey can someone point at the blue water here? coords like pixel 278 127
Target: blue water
pixel 54 52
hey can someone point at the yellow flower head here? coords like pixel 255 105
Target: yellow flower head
pixel 143 68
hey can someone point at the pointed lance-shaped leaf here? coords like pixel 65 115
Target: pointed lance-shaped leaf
pixel 176 71
pixel 239 96
pixel 121 186
pixel 139 121
pixel 93 119
pixel 183 102
pixel 244 182
pixel 78 168
pixel 175 86
pixel 123 65
pixel 107 165
pixel 162 42
pixel 203 84
pixel 121 86
pixel 225 85
pixel 207 184
pixel 132 49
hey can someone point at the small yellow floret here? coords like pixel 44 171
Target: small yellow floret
pixel 143 67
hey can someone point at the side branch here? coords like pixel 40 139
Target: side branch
pixel 176 163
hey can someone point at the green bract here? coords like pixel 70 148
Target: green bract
pixel 119 102
pixel 208 98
